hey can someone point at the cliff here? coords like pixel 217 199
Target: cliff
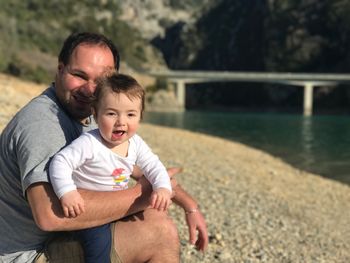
pixel 296 36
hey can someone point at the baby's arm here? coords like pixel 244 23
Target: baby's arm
pixel 161 199
pixel 155 172
pixel 72 204
pixel 61 170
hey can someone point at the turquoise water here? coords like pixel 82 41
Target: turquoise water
pixel 318 144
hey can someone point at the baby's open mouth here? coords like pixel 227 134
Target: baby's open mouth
pixel 118 133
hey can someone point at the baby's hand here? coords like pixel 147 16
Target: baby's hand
pixel 72 204
pixel 161 199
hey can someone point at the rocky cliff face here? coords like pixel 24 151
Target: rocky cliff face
pixel 281 36
pixel 152 18
pixel 254 35
pixel 228 36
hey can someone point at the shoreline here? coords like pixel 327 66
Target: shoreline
pixel 311 146
pixel 258 208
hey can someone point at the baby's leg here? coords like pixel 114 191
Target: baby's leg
pixel 96 243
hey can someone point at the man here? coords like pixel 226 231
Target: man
pixel 30 212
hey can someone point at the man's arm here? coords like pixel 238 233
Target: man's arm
pixel 195 220
pixel 100 207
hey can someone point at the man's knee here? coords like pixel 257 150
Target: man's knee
pixel 159 242
pixel 165 230
pixel 166 240
pixel 172 231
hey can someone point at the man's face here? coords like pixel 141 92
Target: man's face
pixel 76 81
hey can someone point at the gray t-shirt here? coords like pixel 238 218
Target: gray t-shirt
pixel 27 144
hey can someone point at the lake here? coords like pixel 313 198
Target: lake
pixel 318 144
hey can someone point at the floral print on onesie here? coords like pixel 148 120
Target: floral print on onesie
pixel 121 180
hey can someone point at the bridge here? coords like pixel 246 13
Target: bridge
pixel 306 80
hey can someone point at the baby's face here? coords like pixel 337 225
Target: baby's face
pixel 118 118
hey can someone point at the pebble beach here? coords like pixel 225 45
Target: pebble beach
pixel 257 207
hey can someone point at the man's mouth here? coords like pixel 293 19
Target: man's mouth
pixel 83 99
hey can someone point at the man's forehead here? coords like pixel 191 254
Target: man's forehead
pixel 92 60
pixel 98 53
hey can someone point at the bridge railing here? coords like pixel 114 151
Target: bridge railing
pixel 306 80
pixel 247 76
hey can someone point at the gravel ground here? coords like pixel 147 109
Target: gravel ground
pixel 257 208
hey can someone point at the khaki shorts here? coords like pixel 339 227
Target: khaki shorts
pixel 64 249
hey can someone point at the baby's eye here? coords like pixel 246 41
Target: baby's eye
pixel 132 114
pixel 111 113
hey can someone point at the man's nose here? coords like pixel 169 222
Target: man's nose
pixel 89 88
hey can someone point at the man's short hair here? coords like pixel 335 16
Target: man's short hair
pixel 89 38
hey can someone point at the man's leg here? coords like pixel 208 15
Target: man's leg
pixel 150 236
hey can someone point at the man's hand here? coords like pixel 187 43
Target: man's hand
pixel 72 204
pixel 197 229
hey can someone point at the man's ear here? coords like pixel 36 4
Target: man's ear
pixel 60 67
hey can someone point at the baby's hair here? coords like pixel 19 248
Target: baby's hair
pixel 119 83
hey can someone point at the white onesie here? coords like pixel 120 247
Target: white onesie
pixel 88 164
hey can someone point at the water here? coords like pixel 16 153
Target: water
pixel 318 144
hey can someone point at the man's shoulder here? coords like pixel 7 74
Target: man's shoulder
pixel 44 110
pixel 41 118
pixel 44 103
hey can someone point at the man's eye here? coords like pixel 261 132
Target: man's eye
pixel 81 77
